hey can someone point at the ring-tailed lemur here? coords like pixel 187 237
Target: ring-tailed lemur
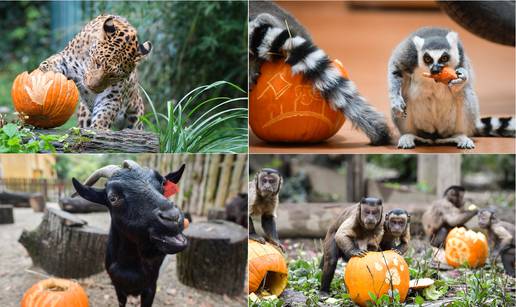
pixel 274 34
pixel 432 112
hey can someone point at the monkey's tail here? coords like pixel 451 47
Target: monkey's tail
pixel 271 43
pixel 496 126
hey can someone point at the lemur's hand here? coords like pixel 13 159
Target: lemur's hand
pixel 462 77
pixel 399 108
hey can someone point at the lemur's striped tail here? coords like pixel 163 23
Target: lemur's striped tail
pixel 496 126
pixel 270 43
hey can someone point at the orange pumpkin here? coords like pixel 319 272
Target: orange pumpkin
pixel 466 247
pixel 378 273
pixel 44 99
pixel 266 262
pixel 55 292
pixel 285 108
pixel 445 76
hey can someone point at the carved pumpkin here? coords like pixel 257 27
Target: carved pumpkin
pixel 44 99
pixel 286 108
pixel 466 247
pixel 266 264
pixel 376 272
pixel 55 292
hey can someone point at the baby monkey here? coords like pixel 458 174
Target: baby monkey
pixel 396 229
pixel 263 202
pixel 358 229
pixel 502 235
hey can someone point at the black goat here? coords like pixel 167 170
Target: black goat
pixel 145 226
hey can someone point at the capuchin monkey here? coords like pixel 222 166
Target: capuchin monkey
pixel 358 229
pixel 275 35
pixel 445 214
pixel 396 231
pixel 236 210
pixel 501 234
pixel 431 112
pixel 263 203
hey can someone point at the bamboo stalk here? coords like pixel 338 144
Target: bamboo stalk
pixel 223 185
pixel 212 183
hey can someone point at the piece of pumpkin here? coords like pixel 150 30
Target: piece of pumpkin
pixel 55 292
pixel 286 108
pixel 445 76
pixel 377 272
pixel 466 247
pixel 266 265
pixel 44 99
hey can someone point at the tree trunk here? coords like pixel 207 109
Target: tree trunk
pixel 215 259
pixel 22 199
pixel 102 141
pixel 6 214
pixel 216 214
pixel 64 246
pixel 311 220
pixel 79 205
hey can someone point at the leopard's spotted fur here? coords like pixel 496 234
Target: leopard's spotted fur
pixel 101 59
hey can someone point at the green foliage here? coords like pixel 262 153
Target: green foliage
pixel 385 300
pixel 199 124
pixel 16 139
pixel 497 164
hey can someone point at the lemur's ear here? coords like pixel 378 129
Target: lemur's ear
pixel 452 38
pixel 109 26
pixel 418 41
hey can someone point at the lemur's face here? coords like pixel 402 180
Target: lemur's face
pixel 435 53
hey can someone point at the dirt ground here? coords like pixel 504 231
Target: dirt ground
pixel 17 273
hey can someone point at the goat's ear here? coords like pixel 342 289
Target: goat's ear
pixel 89 193
pixel 176 176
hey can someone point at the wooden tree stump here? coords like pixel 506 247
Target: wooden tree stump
pixel 216 214
pixel 6 214
pixel 22 199
pixel 216 257
pixel 79 205
pixel 65 246
pixel 102 141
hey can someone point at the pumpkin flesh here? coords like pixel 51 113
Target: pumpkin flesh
pixel 266 263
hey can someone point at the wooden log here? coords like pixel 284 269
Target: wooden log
pixel 6 214
pixel 22 199
pixel 65 246
pixel 216 214
pixel 215 259
pixel 79 205
pixel 311 220
pixel 102 141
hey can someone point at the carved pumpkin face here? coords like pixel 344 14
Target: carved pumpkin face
pixel 44 99
pixel 266 263
pixel 377 272
pixel 286 108
pixel 55 292
pixel 466 247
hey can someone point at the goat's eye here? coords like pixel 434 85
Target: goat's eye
pixel 114 199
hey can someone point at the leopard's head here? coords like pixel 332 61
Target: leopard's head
pixel 115 55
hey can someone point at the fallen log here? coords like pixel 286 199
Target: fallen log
pixel 6 214
pixel 216 214
pixel 79 205
pixel 311 220
pixel 65 246
pixel 22 199
pixel 216 257
pixel 102 141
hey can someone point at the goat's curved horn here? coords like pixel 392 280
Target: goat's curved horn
pixel 130 164
pixel 103 172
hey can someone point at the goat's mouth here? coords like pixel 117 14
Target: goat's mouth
pixel 170 244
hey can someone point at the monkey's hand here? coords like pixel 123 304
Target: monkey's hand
pixel 257 238
pixel 398 251
pixel 278 244
pixel 398 107
pixel 462 78
pixel 358 252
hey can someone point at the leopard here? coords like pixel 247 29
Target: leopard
pixel 102 59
